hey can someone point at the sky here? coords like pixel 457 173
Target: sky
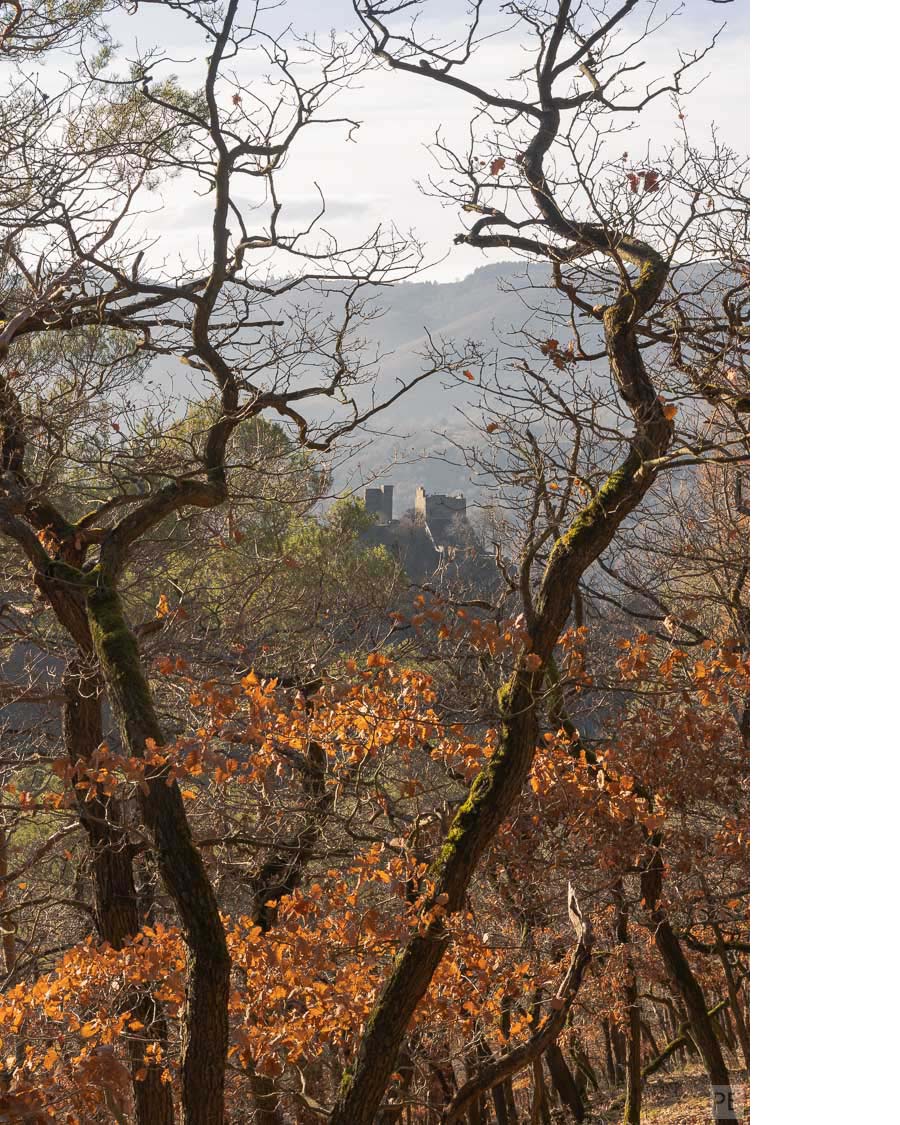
pixel 372 178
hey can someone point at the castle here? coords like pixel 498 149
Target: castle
pixel 438 512
pixel 437 534
pixel 380 504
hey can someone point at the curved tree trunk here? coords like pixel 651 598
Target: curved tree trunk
pixel 116 905
pixel 205 1038
pixel 497 785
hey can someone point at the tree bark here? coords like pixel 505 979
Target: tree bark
pixel 116 905
pixel 499 783
pixel 205 1038
pixel 564 1082
pixel 506 1086
pixel 611 1073
pixel 540 1111
pixel 632 1112
pixel 679 970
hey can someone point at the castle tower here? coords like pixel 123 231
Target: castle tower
pixel 439 511
pixel 380 503
pixel 421 503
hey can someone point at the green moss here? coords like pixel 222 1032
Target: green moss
pixel 119 656
pixel 108 619
pixel 468 814
pixel 62 572
pixel 586 521
pixel 113 639
pixel 503 694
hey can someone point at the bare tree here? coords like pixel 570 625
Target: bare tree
pixel 79 166
pixel 610 232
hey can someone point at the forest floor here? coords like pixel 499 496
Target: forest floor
pixel 683 1098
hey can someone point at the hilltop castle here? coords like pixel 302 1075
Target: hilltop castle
pixel 436 532
pixel 380 504
pixel 438 513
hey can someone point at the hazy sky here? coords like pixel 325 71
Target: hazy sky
pixel 372 178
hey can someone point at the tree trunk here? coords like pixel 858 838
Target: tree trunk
pixel 116 905
pixel 737 1011
pixel 540 1110
pixel 9 934
pixel 611 1072
pixel 564 1082
pixel 702 1031
pixel 498 784
pixel 632 1113
pixel 509 1097
pixel 679 970
pixel 205 1038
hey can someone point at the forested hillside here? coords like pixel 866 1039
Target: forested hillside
pixel 310 813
